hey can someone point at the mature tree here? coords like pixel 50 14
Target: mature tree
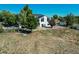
pixel 31 22
pixel 55 17
pixel 69 19
pixel 52 22
pixel 77 19
pixel 27 20
pixel 61 18
pixel 1 17
pixel 2 14
pixel 8 18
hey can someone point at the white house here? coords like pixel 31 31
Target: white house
pixel 43 20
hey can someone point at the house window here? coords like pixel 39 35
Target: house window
pixel 43 25
pixel 48 19
pixel 48 24
pixel 42 20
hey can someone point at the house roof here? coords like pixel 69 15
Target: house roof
pixel 38 15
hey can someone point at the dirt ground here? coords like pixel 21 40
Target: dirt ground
pixel 64 41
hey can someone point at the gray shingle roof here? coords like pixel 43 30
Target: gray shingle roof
pixel 38 15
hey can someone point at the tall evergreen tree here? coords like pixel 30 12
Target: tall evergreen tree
pixel 69 19
pixel 27 20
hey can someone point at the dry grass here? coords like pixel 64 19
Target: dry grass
pixel 43 41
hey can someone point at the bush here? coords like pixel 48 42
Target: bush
pixel 1 29
pixel 12 30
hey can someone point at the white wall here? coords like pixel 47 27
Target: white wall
pixel 45 21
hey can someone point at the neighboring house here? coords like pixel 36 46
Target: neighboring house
pixel 43 20
pixel 60 22
pixel 75 26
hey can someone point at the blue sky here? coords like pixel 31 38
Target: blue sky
pixel 46 9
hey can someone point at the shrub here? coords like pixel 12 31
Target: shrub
pixel 12 30
pixel 1 29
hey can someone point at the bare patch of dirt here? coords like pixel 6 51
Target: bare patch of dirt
pixel 41 42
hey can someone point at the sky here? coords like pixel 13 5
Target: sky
pixel 45 9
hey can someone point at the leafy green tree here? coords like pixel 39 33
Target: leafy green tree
pixel 2 15
pixel 11 20
pixel 52 22
pixel 31 22
pixel 77 19
pixel 27 20
pixel 61 18
pixel 69 19
pixel 8 18
pixel 55 17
